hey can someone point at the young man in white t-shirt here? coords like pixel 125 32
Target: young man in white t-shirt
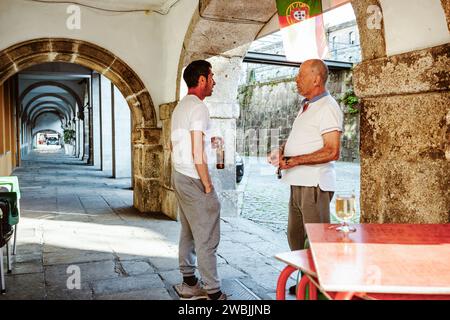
pixel 199 206
pixel 307 158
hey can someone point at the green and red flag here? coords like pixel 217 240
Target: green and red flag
pixel 302 28
pixel 291 11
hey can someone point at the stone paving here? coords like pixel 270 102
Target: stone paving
pixel 264 199
pixel 74 216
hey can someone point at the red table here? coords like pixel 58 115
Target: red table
pixel 378 261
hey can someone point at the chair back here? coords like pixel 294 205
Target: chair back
pixel 6 230
pixel 6 187
pixel 10 199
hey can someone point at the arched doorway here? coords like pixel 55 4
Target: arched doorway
pixel 146 149
pixel 392 76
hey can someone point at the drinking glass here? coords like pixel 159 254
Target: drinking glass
pixel 345 210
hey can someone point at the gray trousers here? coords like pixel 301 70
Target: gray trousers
pixel 200 230
pixel 306 205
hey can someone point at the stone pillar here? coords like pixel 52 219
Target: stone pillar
pixel 90 159
pixel 147 162
pixel 86 124
pixel 77 137
pixel 106 124
pixel 80 139
pixel 224 110
pixel 405 140
pixel 169 202
pixel 96 118
pixel 121 136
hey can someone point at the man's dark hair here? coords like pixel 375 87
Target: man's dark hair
pixel 194 70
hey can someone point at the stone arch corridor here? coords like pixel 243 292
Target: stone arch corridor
pixel 81 202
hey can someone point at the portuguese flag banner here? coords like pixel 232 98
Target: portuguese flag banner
pixel 302 29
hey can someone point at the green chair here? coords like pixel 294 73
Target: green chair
pixel 6 232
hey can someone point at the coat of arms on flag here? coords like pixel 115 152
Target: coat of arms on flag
pixel 291 12
pixel 302 29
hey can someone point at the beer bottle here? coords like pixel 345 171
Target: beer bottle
pixel 220 155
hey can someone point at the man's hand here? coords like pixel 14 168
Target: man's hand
pixel 209 188
pixel 274 157
pixel 287 163
pixel 216 141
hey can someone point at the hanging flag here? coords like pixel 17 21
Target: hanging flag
pixel 302 29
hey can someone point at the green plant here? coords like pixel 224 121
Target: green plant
pixel 69 136
pixel 350 100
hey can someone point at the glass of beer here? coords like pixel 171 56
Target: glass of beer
pixel 345 210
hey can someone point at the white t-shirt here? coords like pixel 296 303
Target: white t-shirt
pixel 191 114
pixel 322 116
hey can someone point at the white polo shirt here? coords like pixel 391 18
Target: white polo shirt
pixel 191 114
pixel 322 116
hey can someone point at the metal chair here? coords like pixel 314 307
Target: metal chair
pixel 12 187
pixel 6 232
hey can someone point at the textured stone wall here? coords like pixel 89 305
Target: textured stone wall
pixel 168 200
pixel 405 137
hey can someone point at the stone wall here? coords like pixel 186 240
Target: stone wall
pixel 273 105
pixel 405 121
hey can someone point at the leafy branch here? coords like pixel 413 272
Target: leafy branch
pixel 351 101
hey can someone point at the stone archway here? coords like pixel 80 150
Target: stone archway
pixel 52 84
pixel 29 106
pixel 392 177
pixel 39 113
pixel 147 151
pixel 49 104
pixel 221 33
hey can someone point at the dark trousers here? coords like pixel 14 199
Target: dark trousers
pixel 306 205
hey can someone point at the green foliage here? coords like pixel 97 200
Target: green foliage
pixel 351 101
pixel 69 136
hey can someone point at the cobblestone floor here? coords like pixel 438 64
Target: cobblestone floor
pixel 264 199
pixel 73 215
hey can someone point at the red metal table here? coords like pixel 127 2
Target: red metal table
pixel 378 261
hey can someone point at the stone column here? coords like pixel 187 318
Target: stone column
pixel 147 162
pixel 169 202
pixel 96 118
pixel 90 159
pixel 86 123
pixel 106 124
pixel 405 140
pixel 121 132
pixel 224 110
pixel 81 135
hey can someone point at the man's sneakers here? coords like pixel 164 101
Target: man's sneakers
pixel 223 296
pixel 195 292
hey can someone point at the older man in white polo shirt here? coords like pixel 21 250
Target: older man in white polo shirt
pixel 307 158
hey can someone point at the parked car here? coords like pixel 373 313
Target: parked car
pixel 52 141
pixel 239 168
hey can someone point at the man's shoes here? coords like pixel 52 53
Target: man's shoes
pixel 195 292
pixel 223 296
pixel 293 290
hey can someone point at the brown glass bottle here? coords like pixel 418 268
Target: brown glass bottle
pixel 220 157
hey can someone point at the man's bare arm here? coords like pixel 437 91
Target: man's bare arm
pixel 200 160
pixel 329 152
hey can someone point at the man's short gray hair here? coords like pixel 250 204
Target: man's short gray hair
pixel 319 67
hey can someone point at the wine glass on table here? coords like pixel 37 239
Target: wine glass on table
pixel 345 211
